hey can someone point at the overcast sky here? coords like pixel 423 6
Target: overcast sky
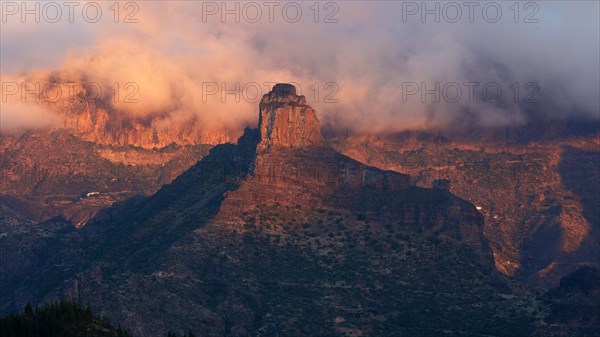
pixel 363 64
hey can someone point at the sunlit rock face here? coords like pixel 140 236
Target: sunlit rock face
pixel 106 126
pixel 286 120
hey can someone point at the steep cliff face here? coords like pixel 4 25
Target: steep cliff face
pixel 291 150
pixel 286 121
pixel 102 124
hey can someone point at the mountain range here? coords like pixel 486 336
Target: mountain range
pixel 290 232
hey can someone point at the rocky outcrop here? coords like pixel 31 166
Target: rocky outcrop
pixel 106 126
pixel 286 121
pixel 294 168
pixel 292 158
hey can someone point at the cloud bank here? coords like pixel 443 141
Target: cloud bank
pixel 379 68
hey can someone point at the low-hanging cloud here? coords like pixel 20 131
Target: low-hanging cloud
pixel 19 117
pixel 360 73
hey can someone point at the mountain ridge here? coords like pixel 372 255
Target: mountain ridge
pixel 290 238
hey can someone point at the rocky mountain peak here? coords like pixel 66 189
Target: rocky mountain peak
pixel 286 120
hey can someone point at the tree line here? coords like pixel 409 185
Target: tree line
pixel 62 319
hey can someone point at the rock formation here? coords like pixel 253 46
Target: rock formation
pixel 292 158
pixel 294 168
pixel 103 125
pixel 286 121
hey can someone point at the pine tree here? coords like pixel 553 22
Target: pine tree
pixel 28 310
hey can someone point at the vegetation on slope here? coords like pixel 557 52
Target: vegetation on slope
pixel 62 319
